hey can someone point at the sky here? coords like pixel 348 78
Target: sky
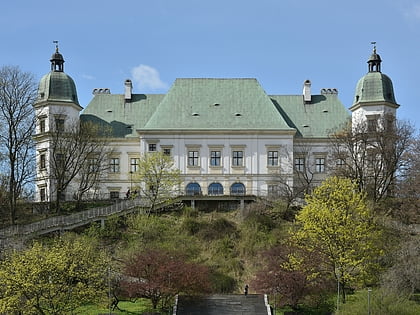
pixel 281 43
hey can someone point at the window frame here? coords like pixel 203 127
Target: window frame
pixel 215 158
pixel 134 166
pixel 237 158
pixel 272 158
pixel 114 165
pixel 320 167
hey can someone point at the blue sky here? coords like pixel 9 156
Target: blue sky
pixel 279 42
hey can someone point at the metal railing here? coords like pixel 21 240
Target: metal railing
pixel 68 222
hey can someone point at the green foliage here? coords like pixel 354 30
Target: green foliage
pixel 158 178
pixel 112 231
pixel 222 283
pixel 338 223
pixel 381 302
pixel 217 229
pixel 54 279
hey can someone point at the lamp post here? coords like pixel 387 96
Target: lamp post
pixel 131 180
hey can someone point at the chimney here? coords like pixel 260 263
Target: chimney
pixel 128 90
pixel 307 92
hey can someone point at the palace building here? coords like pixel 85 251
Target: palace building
pixel 228 137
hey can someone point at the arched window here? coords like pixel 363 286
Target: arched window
pixel 215 189
pixel 193 189
pixel 237 189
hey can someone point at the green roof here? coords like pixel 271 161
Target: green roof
pixel 217 104
pixel 123 117
pixel 57 86
pixel 211 104
pixel 374 87
pixel 317 119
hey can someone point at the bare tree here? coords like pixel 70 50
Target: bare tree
pixel 79 152
pixel 407 207
pixel 372 156
pixel 303 175
pixel 17 95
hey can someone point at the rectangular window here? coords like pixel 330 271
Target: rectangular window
pixel 42 194
pixel 114 165
pixel 215 158
pixel 114 194
pixel 372 125
pixel 273 190
pixel 300 164
pixel 237 158
pixel 42 125
pixel 93 165
pixel 152 147
pixel 134 165
pixel 340 162
pixel 42 161
pixel 193 158
pixel 167 151
pixel 59 124
pixel 59 159
pixel 273 158
pixel 320 165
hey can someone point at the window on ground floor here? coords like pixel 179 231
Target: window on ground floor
pixel 193 189
pixel 215 189
pixel 237 189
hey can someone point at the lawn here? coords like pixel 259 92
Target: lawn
pixel 138 307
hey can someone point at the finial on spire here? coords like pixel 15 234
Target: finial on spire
pixel 56 45
pixel 374 47
pixel 374 60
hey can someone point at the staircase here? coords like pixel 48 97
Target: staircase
pixel 12 234
pixel 232 304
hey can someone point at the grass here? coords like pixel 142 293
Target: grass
pixel 138 307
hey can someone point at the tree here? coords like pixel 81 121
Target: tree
pixel 53 279
pixel 403 277
pixel 337 223
pixel 279 276
pixel 159 179
pixel 372 156
pixel 303 174
pixel 79 153
pixel 159 275
pixel 17 95
pixel 407 189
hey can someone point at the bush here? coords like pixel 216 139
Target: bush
pixel 222 283
pixel 218 229
pixel 381 302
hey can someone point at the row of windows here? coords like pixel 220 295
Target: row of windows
pixel 59 125
pixel 237 158
pixel 193 189
pixel 193 160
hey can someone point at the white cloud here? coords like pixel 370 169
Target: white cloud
pixel 88 77
pixel 147 78
pixel 412 11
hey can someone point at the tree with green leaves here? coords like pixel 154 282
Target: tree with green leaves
pixel 338 223
pixel 54 279
pixel 158 179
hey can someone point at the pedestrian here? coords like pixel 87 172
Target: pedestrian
pixel 246 289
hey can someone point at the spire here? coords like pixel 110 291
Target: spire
pixel 57 60
pixel 374 62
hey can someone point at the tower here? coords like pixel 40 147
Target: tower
pixel 374 98
pixel 56 108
